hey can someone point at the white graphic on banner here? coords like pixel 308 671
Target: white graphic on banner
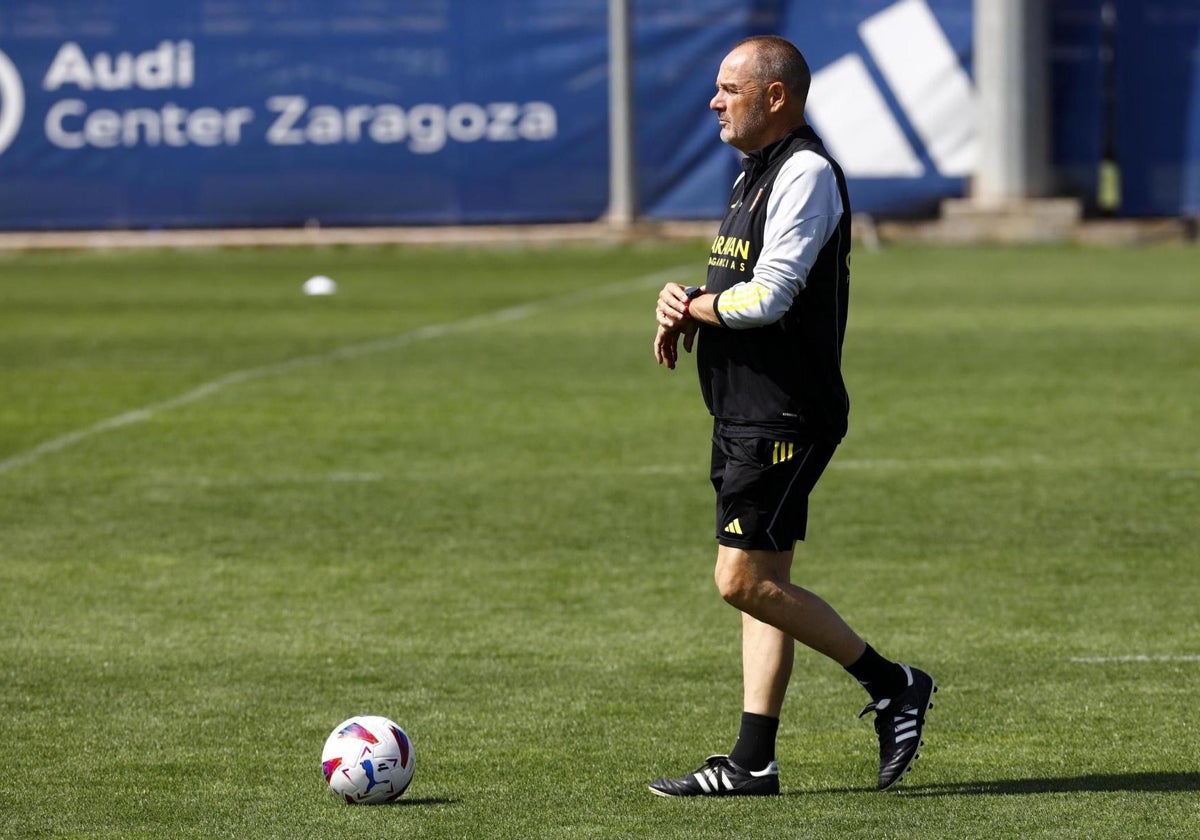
pixel 856 124
pixel 12 102
pixel 934 91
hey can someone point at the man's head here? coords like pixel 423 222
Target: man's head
pixel 761 90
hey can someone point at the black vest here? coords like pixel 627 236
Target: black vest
pixel 783 379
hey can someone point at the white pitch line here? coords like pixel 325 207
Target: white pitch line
pixel 351 351
pixel 1139 657
pixel 948 464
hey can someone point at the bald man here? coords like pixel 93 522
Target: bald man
pixel 768 326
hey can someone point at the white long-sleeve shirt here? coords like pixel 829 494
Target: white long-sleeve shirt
pixel 804 208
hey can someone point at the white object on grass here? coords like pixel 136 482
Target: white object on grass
pixel 320 285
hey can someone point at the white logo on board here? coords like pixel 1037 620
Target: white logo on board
pixel 917 61
pixel 12 102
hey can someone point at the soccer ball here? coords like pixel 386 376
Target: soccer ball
pixel 368 760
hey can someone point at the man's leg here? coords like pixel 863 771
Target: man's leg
pixel 767 650
pixel 775 610
pixel 746 474
pixel 759 584
pixel 767 655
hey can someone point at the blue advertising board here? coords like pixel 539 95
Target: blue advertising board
pixel 132 113
pixel 138 113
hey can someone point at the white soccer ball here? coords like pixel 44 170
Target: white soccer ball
pixel 320 285
pixel 368 760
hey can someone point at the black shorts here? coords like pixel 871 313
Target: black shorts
pixel 762 489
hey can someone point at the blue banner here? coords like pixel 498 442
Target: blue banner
pixel 1158 106
pixel 143 114
pixel 685 171
pixel 892 96
pixel 140 114
pixel 868 101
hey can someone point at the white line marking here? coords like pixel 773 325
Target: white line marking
pixel 269 480
pixel 1140 657
pixel 985 461
pixel 351 351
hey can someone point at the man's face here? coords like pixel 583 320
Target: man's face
pixel 740 102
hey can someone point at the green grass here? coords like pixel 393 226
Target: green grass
pixel 498 533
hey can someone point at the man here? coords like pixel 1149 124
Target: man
pixel 770 323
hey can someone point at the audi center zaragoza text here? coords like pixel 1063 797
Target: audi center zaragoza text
pixel 288 119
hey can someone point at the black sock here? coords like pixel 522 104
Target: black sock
pixel 880 677
pixel 755 747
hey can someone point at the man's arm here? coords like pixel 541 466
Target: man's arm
pixel 803 212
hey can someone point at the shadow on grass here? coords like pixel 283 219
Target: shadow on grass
pixel 1150 782
pixel 1095 783
pixel 419 801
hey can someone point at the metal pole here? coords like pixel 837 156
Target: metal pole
pixel 1108 187
pixel 1010 79
pixel 622 177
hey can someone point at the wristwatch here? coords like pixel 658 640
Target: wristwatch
pixel 692 293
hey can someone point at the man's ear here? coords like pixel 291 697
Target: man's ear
pixel 776 97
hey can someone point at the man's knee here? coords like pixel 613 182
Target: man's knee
pixel 734 581
pixel 742 577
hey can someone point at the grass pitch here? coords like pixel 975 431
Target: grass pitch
pixel 461 494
